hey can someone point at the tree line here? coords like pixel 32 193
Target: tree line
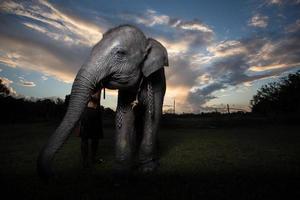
pixel 20 109
pixel 278 98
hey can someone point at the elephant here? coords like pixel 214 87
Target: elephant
pixel 126 60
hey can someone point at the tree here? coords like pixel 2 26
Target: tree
pixel 3 88
pixel 278 97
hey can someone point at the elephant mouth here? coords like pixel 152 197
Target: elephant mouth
pixel 120 81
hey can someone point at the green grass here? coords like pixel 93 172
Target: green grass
pixel 222 163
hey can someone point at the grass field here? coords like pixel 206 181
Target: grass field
pixel 219 163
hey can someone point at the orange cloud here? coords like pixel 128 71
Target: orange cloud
pixel 21 54
pixel 273 66
pixel 63 25
pixel 227 48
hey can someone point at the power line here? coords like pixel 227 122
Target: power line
pixel 171 106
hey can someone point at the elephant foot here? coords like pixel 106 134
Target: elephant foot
pixel 121 177
pixel 85 164
pixel 122 170
pixel 149 167
pixel 97 161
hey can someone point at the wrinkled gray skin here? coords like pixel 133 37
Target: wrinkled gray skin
pixel 118 61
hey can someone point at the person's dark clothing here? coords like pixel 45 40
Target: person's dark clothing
pixel 91 124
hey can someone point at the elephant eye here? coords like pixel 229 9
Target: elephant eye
pixel 121 52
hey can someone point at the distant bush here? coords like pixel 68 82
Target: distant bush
pixel 282 97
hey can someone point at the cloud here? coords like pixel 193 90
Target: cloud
pixel 152 18
pixel 53 35
pixel 26 83
pixel 227 48
pixel 200 96
pixel 194 32
pixel 195 25
pixel 23 54
pixel 259 21
pixel 271 67
pixel 277 54
pixel 241 62
pixel 6 82
pixel 187 75
pixel 278 2
pixel 195 75
pixel 294 27
pixel 44 78
pixel 180 78
pixel 60 26
pixel 49 41
pixel 281 2
pixel 173 48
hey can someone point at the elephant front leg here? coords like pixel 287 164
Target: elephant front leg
pixel 125 132
pixel 148 153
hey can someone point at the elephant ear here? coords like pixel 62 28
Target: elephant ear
pixel 156 59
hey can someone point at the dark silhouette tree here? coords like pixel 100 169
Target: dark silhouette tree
pixel 3 88
pixel 278 97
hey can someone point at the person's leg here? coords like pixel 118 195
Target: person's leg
pixel 94 148
pixel 84 152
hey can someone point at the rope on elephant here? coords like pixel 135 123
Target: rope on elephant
pixel 119 116
pixel 150 99
pixel 138 93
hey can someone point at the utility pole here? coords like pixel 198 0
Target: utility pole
pixel 174 106
pixel 228 111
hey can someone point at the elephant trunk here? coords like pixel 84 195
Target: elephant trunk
pixel 84 85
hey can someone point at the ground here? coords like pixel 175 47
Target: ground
pixel 259 162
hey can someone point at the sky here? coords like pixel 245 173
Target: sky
pixel 220 52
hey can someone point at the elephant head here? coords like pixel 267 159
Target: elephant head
pixel 114 62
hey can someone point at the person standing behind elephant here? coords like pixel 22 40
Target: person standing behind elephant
pixel 91 129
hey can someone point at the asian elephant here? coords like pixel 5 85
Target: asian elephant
pixel 126 60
